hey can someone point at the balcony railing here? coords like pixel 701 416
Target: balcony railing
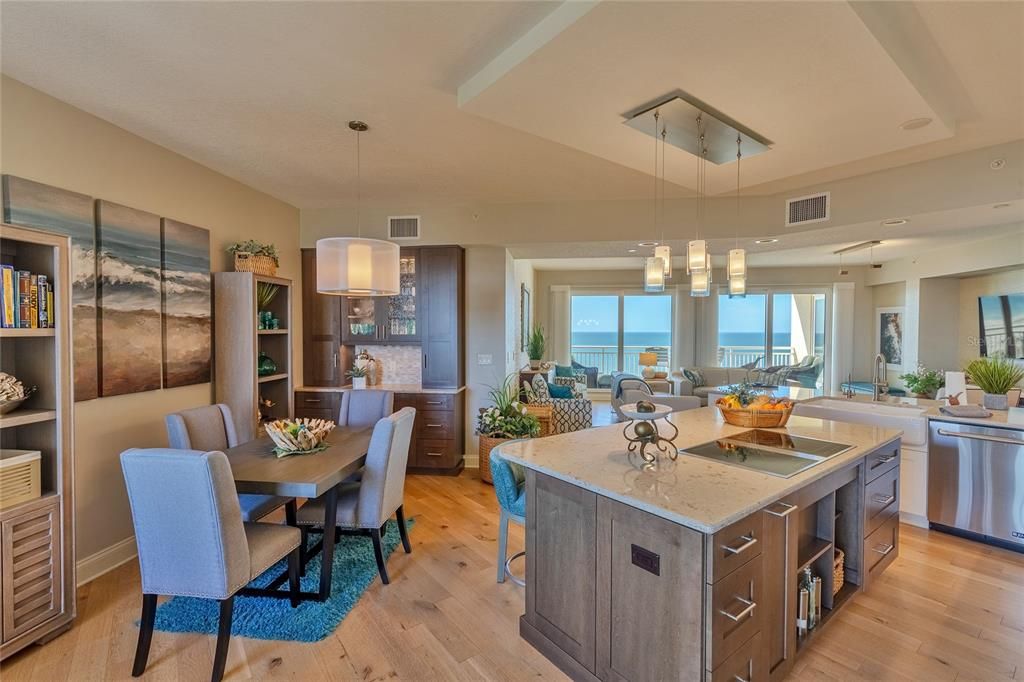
pixel 737 356
pixel 606 358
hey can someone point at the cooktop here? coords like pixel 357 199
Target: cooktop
pixel 776 453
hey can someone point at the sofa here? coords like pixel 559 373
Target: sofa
pixel 567 414
pixel 713 376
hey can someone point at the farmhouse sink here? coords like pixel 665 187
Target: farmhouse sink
pixel 908 418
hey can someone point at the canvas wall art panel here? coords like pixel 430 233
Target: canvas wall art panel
pixel 33 204
pixel 186 303
pixel 128 267
pixel 889 336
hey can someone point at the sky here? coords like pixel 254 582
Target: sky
pixel 642 313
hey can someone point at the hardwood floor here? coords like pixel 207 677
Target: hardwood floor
pixel 947 609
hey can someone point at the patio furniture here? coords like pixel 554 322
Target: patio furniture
pixel 567 414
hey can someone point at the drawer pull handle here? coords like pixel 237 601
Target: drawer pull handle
pixel 434 454
pixel 789 509
pixel 750 541
pixel 883 550
pixel 737 678
pixel 312 400
pixel 747 610
pixel 433 402
pixel 884 460
pixel 887 499
pixel 435 426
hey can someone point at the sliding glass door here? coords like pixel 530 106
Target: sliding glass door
pixel 609 330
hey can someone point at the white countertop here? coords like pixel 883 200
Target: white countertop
pixel 796 393
pixel 394 388
pixel 693 491
pixel 1006 419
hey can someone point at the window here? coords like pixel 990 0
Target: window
pixel 775 329
pixel 610 331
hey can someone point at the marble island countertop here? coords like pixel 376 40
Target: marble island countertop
pixel 693 491
pixel 1012 418
pixel 395 388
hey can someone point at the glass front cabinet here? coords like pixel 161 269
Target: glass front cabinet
pixel 384 320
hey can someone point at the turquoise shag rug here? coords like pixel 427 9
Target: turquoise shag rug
pixel 355 569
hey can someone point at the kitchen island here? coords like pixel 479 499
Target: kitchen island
pixel 690 569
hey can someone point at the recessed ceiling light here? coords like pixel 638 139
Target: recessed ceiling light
pixel 647 244
pixel 631 250
pixel 894 222
pixel 1003 205
pixel 765 241
pixel 915 123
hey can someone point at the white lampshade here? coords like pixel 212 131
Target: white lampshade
pixel 697 256
pixel 353 266
pixel 664 252
pixel 700 283
pixel 654 275
pixel 737 286
pixel 737 263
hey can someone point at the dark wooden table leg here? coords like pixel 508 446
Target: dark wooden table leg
pixel 327 553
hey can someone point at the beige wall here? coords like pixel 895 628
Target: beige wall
pixel 524 276
pixel 890 295
pixel 1003 282
pixel 51 142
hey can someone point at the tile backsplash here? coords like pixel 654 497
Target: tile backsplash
pixel 396 364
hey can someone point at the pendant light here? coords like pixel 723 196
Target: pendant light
pixel 357 266
pixel 654 266
pixel 697 257
pixel 663 250
pixel 737 264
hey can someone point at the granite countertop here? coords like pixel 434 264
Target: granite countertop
pixel 395 388
pixel 693 491
pixel 1000 419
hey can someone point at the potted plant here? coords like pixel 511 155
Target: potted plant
pixel 505 420
pixel 924 382
pixel 358 376
pixel 995 376
pixel 535 347
pixel 256 257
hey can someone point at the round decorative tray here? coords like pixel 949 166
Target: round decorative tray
pixel 660 411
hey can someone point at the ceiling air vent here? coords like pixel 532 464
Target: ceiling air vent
pixel 810 209
pixel 404 227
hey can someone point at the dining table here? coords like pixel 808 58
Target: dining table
pixel 258 470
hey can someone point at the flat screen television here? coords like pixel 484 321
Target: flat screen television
pixel 1001 321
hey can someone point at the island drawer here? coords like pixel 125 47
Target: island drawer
pixel 747 663
pixel 733 546
pixel 881 500
pixel 733 615
pixel 882 547
pixel 881 461
pixel 437 425
pixel 439 402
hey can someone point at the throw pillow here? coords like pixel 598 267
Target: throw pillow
pixel 563 370
pixel 557 391
pixel 694 376
pixel 540 388
pixel 661 375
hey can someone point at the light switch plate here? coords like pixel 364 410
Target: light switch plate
pixel 484 359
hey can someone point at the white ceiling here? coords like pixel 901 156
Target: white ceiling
pixel 262 91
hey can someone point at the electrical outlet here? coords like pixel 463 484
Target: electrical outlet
pixel 484 359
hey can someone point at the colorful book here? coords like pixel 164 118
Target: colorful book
pixel 24 299
pixel 44 314
pixel 33 310
pixel 49 305
pixel 7 289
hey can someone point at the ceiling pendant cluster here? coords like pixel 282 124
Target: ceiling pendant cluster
pixel 658 268
pixel 736 268
pixel 698 259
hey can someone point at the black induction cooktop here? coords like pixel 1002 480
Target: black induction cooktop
pixel 776 453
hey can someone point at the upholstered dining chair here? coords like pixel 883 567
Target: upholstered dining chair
pixel 510 489
pixel 365 408
pixel 365 506
pixel 192 540
pixel 211 427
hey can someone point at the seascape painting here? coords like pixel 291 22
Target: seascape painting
pixel 33 204
pixel 889 341
pixel 128 267
pixel 186 303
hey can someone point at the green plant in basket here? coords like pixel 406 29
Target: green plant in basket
pixel 507 418
pixel 255 248
pixel 356 372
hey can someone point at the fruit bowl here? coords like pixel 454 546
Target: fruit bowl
pixel 745 405
pixel 299 436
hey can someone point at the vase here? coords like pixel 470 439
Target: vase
pixel 358 383
pixel 928 396
pixel 534 364
pixel 995 401
pixel 265 366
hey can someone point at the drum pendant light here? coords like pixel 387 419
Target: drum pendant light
pixel 357 266
pixel 737 265
pixel 654 275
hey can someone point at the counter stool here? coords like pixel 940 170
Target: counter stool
pixel 510 489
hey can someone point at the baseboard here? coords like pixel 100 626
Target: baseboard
pixel 913 519
pixel 472 461
pixel 105 560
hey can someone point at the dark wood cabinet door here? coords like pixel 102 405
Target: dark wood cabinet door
pixel 362 319
pixel 321 329
pixel 779 552
pixel 441 275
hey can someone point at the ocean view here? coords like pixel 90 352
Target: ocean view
pixel 780 340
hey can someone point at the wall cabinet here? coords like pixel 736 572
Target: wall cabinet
pixel 442 273
pixel 388 320
pixel 321 330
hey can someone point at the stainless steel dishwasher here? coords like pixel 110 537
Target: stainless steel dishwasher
pixel 976 481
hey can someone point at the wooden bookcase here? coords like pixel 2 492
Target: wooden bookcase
pixel 37 536
pixel 237 345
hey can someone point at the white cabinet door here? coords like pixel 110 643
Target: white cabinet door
pixel 914 487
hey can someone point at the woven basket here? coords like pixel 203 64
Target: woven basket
pixel 260 265
pixel 759 419
pixel 543 415
pixel 486 445
pixel 838 572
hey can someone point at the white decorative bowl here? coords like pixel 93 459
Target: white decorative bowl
pixel 300 436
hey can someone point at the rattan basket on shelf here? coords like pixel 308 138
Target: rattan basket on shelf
pixel 755 418
pixel 838 572
pixel 543 415
pixel 260 265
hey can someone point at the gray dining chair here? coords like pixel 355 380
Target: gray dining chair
pixel 365 506
pixel 192 541
pixel 362 408
pixel 211 427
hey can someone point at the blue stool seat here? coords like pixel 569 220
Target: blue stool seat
pixel 518 508
pixel 510 488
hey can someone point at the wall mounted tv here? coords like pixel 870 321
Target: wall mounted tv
pixel 1001 320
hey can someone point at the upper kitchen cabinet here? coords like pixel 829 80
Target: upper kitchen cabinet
pixel 442 274
pixel 321 330
pixel 391 320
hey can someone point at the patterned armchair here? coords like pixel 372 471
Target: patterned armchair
pixel 567 414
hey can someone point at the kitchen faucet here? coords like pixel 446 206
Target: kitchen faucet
pixel 879 385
